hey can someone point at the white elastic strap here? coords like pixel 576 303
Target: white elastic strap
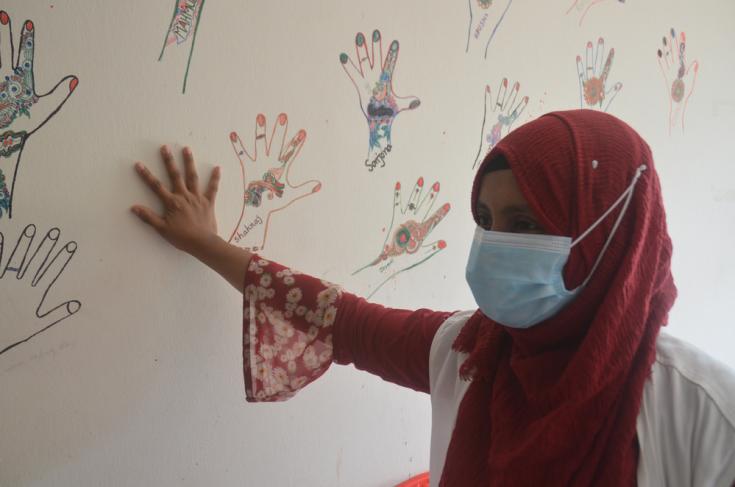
pixel 627 195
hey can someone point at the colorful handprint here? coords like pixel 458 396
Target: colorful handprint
pixel 581 7
pixel 485 19
pixel 504 110
pixel 265 180
pixel 22 110
pixel 405 245
pixel 372 76
pixel 183 27
pixel 43 265
pixel 593 77
pixel 678 76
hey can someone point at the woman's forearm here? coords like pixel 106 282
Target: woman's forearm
pixel 228 260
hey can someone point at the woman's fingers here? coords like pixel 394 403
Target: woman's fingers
pixel 211 192
pixel 149 217
pixel 152 182
pixel 190 171
pixel 177 182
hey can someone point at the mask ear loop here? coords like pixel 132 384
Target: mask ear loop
pixel 627 196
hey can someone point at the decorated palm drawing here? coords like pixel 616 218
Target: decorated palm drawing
pixel 593 72
pixel 372 75
pixel 267 188
pixel 485 19
pixel 37 262
pixel 679 76
pixel 581 7
pixel 406 243
pixel 22 109
pixel 499 116
pixel 182 30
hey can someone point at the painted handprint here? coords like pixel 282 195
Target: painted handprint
pixel 678 76
pixel 183 28
pixel 30 272
pixel 405 245
pixel 22 110
pixel 372 76
pixel 581 7
pixel 593 77
pixel 485 19
pixel 504 111
pixel 265 180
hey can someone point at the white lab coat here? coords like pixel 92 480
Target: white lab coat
pixel 686 425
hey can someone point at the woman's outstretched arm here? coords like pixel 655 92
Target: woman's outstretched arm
pixel 188 222
pixel 294 325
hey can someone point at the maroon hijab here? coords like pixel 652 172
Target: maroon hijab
pixel 556 404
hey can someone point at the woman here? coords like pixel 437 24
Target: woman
pixel 561 377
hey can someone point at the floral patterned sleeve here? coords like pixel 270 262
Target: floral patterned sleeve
pixel 295 326
pixel 287 329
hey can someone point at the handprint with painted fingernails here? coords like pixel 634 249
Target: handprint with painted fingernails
pixel 593 73
pixel 485 19
pixel 405 245
pixel 22 110
pixel 502 112
pixel 582 7
pixel 372 75
pixel 679 76
pixel 267 188
pixel 25 268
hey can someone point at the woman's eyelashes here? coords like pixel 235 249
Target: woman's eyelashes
pixel 484 221
pixel 518 224
pixel 525 225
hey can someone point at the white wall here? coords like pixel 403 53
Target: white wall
pixel 144 385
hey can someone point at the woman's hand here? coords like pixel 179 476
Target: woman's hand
pixel 188 222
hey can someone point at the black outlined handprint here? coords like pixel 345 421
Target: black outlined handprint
pixel 502 112
pixel 679 76
pixel 372 76
pixel 265 180
pixel 27 268
pixel 22 110
pixel 592 74
pixel 405 245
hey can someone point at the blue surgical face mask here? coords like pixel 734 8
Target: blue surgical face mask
pixel 517 279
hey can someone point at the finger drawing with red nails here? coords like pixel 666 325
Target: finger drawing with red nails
pixel 267 188
pixel 406 242
pixel 22 109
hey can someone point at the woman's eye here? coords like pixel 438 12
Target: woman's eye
pixel 525 226
pixel 484 221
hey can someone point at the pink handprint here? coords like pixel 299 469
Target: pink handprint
pixel 584 6
pixel 678 76
pixel 267 188
pixel 593 77
pixel 504 110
